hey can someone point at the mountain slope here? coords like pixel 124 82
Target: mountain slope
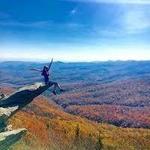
pixel 123 103
pixel 51 128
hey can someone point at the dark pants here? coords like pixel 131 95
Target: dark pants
pixel 46 79
pixel 51 83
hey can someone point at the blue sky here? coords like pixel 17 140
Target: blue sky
pixel 75 30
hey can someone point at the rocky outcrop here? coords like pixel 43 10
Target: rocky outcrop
pixel 10 137
pixel 9 105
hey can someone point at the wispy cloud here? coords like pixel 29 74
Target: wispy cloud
pixel 41 25
pixel 130 21
pixel 13 23
pixel 115 1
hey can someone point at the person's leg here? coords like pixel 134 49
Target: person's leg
pixel 56 86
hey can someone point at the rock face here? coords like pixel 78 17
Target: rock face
pixel 9 105
pixel 10 137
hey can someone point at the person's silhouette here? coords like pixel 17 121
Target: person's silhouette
pixel 45 74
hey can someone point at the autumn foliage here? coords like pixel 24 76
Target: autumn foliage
pixel 50 128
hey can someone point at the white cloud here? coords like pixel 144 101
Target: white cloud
pixel 115 1
pixel 131 20
pixel 73 11
pixel 136 20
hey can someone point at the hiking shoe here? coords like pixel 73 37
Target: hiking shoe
pixel 54 92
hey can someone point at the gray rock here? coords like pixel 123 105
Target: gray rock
pixel 23 96
pixel 9 105
pixel 5 113
pixel 10 137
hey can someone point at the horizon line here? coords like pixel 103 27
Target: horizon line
pixel 77 61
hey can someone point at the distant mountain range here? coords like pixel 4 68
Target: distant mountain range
pixel 19 73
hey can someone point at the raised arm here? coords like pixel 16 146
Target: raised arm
pixel 38 70
pixel 49 67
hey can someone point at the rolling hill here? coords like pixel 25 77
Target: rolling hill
pixel 123 103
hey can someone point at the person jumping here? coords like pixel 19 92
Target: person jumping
pixel 45 73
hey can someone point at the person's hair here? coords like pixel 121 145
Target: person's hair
pixel 46 67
